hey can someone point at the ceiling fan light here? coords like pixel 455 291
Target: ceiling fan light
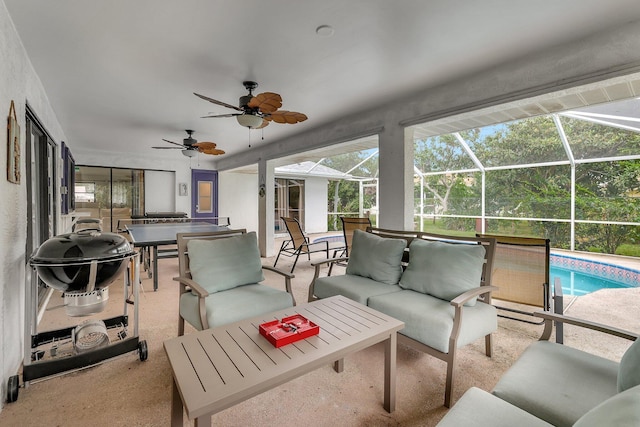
pixel 190 153
pixel 249 120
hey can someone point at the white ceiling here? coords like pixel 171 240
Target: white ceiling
pixel 121 74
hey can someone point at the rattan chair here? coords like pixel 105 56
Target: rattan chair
pixel 299 243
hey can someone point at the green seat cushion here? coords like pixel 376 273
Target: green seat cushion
pixel 557 383
pixel 375 257
pixel 234 304
pixel 621 410
pixel 477 408
pixel 357 288
pixel 444 270
pixel 429 320
pixel 224 263
pixel 629 370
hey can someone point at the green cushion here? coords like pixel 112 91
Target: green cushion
pixel 621 410
pixel 429 320
pixel 444 270
pixel 234 304
pixel 225 263
pixel 357 288
pixel 478 408
pixel 557 383
pixel 376 257
pixel 629 371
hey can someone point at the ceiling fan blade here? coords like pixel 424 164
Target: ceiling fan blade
pixel 266 102
pixel 221 115
pixel 290 117
pixel 205 145
pixel 169 148
pixel 174 143
pixel 212 151
pixel 215 101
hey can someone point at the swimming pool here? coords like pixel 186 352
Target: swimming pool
pixel 581 276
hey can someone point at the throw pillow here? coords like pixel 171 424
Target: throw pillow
pixel 225 263
pixel 443 270
pixel 375 257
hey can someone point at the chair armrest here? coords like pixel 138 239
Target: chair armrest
pixel 316 273
pixel 472 293
pixel 195 287
pixel 277 270
pixel 287 279
pixel 549 318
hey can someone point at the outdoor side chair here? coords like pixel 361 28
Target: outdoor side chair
pixel 299 243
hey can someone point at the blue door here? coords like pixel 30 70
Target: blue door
pixel 204 193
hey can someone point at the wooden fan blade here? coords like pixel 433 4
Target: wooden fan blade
pixel 174 143
pixel 222 115
pixel 204 145
pixel 215 101
pixel 212 151
pixel 290 117
pixel 267 102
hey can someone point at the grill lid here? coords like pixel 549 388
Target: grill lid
pixel 82 247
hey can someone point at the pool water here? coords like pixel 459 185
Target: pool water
pixel 579 283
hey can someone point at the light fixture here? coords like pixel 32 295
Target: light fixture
pixel 325 31
pixel 249 120
pixel 190 153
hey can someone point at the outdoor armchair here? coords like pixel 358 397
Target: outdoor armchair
pixel 219 280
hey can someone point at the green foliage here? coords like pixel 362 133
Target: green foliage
pixel 628 250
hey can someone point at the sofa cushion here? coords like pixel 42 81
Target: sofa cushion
pixel 478 408
pixel 357 288
pixel 225 263
pixel 429 320
pixel 234 304
pixel 580 382
pixel 629 371
pixel 444 270
pixel 623 409
pixel 376 257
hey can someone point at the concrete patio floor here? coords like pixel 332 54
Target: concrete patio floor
pixel 127 392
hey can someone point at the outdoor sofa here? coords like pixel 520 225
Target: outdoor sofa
pixel 439 286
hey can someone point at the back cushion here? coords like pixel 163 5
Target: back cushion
pixel 621 410
pixel 376 257
pixel 443 270
pixel 225 263
pixel 629 370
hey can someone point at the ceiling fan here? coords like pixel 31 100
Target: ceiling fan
pixel 255 112
pixel 190 146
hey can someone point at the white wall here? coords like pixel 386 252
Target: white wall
pixel 238 199
pixel 20 83
pixel 158 196
pixel 315 205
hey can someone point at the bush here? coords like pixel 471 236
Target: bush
pixel 628 250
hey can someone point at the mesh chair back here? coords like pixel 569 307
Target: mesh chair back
pixel 349 225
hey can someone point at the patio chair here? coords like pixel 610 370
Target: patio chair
pixel 219 280
pixel 299 243
pixel 521 273
pixel 349 225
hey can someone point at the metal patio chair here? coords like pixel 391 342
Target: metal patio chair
pixel 299 243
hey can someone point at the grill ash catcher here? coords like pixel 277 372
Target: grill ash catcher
pixel 81 265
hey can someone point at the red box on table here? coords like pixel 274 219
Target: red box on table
pixel 289 329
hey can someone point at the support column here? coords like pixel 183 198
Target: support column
pixel 396 178
pixel 266 208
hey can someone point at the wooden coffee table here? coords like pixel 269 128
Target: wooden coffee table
pixel 217 368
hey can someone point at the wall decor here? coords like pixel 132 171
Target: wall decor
pixel 182 189
pixel 13 146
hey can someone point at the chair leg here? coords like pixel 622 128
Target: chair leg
pixel 279 252
pixel 448 390
pixel 488 343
